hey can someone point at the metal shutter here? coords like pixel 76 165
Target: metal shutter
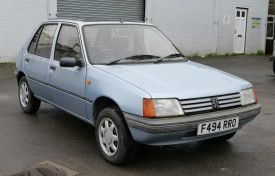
pixel 128 10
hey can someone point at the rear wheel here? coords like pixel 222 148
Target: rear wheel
pixel 113 137
pixel 28 102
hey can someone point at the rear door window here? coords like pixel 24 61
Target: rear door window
pixel 45 41
pixel 33 43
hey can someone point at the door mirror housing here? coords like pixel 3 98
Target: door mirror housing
pixel 70 62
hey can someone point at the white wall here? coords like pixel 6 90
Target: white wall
pixel 255 38
pixel 196 26
pixel 17 19
pixel 188 23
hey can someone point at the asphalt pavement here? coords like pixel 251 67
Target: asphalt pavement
pixel 54 135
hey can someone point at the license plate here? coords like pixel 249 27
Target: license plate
pixel 218 126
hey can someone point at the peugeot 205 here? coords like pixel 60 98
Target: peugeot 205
pixel 130 82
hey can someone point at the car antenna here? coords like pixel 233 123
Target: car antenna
pixel 120 19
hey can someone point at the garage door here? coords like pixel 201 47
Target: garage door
pixel 131 10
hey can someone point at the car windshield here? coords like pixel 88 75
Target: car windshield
pixel 107 43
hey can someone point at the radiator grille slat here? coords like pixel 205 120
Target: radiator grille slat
pixel 201 105
pixel 229 101
pixel 198 109
pixel 195 101
pixel 230 105
pixel 197 105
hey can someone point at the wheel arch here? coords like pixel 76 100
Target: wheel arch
pixel 19 76
pixel 103 102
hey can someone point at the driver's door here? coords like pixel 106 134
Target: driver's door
pixel 68 83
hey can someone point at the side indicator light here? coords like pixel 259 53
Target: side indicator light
pixel 88 82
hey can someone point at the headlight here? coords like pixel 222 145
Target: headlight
pixel 248 96
pixel 161 108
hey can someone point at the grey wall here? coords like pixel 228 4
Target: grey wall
pixel 196 26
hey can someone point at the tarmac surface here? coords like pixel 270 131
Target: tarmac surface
pixel 54 135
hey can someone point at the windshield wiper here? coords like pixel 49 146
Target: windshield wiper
pixel 134 57
pixel 171 56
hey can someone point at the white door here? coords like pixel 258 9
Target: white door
pixel 240 31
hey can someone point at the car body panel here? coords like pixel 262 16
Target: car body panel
pixel 37 70
pixel 127 96
pixel 190 80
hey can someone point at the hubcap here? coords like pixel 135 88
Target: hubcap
pixel 24 94
pixel 108 136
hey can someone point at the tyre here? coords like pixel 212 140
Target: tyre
pixel 28 102
pixel 113 137
pixel 224 138
pixel 274 67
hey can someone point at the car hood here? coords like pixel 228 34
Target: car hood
pixel 182 80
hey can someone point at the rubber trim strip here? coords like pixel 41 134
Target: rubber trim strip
pixel 63 90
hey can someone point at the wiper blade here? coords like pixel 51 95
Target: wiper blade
pixel 134 57
pixel 170 56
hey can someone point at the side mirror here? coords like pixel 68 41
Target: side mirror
pixel 70 62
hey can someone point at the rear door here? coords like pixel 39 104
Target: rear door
pixel 68 84
pixel 37 59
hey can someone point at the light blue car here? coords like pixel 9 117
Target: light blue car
pixel 130 82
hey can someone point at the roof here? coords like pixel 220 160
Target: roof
pixel 95 21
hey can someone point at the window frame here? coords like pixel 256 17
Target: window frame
pixel 30 43
pixel 79 38
pixel 42 27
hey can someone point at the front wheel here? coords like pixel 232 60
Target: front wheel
pixel 28 102
pixel 113 137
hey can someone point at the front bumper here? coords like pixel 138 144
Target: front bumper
pixel 176 130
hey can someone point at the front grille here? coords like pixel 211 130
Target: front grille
pixel 202 105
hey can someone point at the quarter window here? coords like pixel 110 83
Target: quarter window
pixel 45 41
pixel 67 44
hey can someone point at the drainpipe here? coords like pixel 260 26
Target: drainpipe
pixel 215 25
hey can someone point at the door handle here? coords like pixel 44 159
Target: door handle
pixel 239 35
pixel 52 67
pixel 27 60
